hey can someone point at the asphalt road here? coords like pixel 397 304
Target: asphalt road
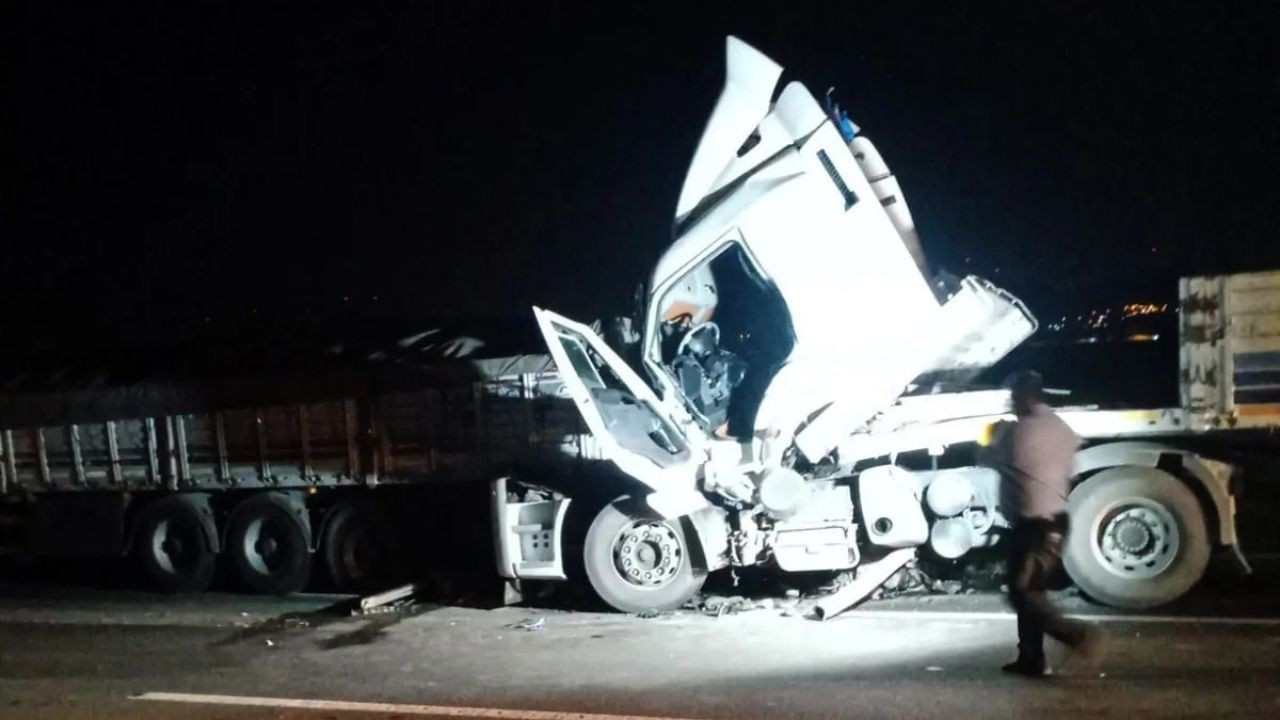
pixel 81 653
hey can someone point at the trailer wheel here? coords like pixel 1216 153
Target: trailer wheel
pixel 636 561
pixel 357 550
pixel 269 545
pixel 1138 537
pixel 171 546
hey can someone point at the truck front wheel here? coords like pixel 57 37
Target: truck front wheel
pixel 1138 537
pixel 637 561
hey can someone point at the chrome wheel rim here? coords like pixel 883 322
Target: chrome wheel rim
pixel 1136 538
pixel 648 554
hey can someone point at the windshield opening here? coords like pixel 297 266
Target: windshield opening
pixel 725 331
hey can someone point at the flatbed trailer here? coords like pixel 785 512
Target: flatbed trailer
pixel 346 469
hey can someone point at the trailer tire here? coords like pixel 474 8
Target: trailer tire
pixel 269 545
pixel 1138 537
pixel 636 561
pixel 357 550
pixel 171 545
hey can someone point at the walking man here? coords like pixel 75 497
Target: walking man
pixel 1038 454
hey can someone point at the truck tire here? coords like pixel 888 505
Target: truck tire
pixel 268 545
pixel 357 549
pixel 637 561
pixel 1138 537
pixel 172 547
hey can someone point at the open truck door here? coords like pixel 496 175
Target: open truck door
pixel 633 428
pixel 644 550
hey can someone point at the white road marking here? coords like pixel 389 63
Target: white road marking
pixel 377 707
pixel 970 615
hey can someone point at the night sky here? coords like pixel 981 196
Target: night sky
pixel 180 169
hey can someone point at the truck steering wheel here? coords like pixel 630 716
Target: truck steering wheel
pixel 707 326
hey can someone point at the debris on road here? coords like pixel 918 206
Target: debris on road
pixel 403 592
pixel 529 625
pixel 950 587
pixel 719 606
pixel 869 577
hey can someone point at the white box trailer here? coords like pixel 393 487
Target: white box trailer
pixel 785 409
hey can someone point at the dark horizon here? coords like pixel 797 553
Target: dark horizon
pixel 174 166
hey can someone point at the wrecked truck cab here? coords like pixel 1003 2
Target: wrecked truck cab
pixel 800 382
pixel 846 316
pixel 792 308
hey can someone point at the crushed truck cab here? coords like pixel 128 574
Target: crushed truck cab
pixel 793 344
pixel 791 307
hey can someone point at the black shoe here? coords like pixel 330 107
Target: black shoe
pixel 1027 668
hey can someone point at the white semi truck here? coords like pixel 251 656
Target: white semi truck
pixel 792 401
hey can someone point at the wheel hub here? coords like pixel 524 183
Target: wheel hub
pixel 1132 535
pixel 1138 539
pixel 172 547
pixel 263 547
pixel 647 553
pixel 266 546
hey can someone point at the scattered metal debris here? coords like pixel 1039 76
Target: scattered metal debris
pixel 403 592
pixel 869 577
pixel 529 625
pixel 950 587
pixel 719 606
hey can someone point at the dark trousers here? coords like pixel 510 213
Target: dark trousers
pixel 1035 556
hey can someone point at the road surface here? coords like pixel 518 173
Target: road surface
pixel 80 653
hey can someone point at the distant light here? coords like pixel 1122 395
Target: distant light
pixel 346 298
